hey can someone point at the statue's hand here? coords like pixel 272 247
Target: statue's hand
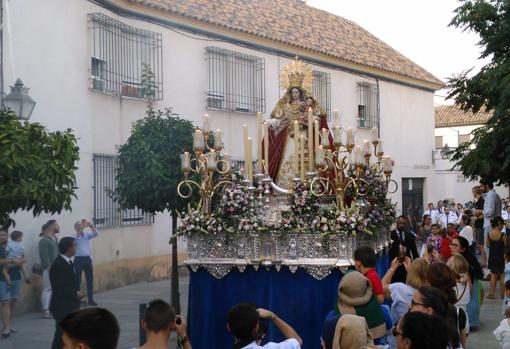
pixel 273 123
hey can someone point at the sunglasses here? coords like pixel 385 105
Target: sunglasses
pixel 413 303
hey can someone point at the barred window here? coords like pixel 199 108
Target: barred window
pixel 321 90
pixel 236 81
pixel 368 105
pixel 125 60
pixel 439 142
pixel 107 212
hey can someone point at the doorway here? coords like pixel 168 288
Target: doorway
pixel 412 201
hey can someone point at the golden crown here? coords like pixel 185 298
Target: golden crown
pixel 296 74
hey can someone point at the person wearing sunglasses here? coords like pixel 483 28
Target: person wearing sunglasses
pixel 418 330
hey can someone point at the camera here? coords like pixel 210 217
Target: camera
pixel 430 248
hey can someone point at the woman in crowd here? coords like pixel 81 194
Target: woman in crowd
pixel 425 229
pixel 461 245
pixel 346 332
pixel 460 268
pixel 400 294
pixel 417 330
pixel 467 232
pixel 496 243
pixel 435 239
pixel 442 278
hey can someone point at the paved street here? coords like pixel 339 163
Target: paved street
pixel 36 333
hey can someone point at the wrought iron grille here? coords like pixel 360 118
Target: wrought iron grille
pixel 107 212
pixel 321 90
pixel 368 105
pixel 236 81
pixel 125 60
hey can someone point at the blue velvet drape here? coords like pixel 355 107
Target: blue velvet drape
pixel 297 298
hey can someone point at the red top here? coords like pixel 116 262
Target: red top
pixel 375 281
pixel 446 252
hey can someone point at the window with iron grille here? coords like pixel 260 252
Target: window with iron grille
pixel 368 105
pixel 321 90
pixel 107 212
pixel 236 81
pixel 121 54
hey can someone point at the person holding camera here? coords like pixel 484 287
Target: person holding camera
pixel 245 325
pixel 403 245
pixel 83 260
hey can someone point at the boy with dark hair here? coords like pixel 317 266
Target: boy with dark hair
pixel 243 324
pixel 93 328
pixel 159 321
pixel 364 262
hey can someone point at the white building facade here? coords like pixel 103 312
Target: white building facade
pixel 83 62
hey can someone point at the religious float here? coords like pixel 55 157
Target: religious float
pixel 280 231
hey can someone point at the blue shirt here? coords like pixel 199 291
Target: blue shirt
pixel 83 243
pixel 14 272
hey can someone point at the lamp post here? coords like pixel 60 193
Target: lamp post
pixel 19 101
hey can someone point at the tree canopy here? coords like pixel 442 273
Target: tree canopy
pixel 150 162
pixel 38 168
pixel 487 155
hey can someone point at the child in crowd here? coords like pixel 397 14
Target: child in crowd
pixel 506 300
pixel 502 333
pixel 15 250
pixel 364 261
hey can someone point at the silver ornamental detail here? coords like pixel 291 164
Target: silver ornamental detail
pixel 317 254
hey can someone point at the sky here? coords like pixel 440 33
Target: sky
pixel 418 29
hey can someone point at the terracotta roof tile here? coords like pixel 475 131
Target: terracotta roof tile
pixel 295 23
pixel 451 115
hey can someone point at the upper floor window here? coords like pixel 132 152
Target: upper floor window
pixel 125 60
pixel 321 90
pixel 236 81
pixel 368 105
pixel 464 138
pixel 439 142
pixel 107 212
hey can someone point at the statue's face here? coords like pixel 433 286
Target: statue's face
pixel 309 102
pixel 295 93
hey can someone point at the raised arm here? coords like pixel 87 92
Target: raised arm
pixel 287 331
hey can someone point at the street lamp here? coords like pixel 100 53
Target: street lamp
pixel 19 101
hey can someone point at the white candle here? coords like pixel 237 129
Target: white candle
pixel 380 149
pixel 266 148
pixel 319 156
pixel 324 138
pixel 198 140
pixel 225 165
pixel 337 135
pixel 259 140
pixel 186 164
pixel 350 136
pixel 387 164
pixel 206 127
pixel 211 160
pixel 245 139
pixel 249 164
pixel 310 139
pixel 316 133
pixel 296 148
pixel 217 140
pixel 375 134
pixel 358 155
pixel 302 153
pixel 336 118
pixel 366 147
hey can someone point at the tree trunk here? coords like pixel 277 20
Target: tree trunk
pixel 175 295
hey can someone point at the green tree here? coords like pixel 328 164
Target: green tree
pixel 487 155
pixel 37 168
pixel 149 170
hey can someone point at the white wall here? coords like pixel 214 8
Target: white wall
pixel 52 57
pixel 451 134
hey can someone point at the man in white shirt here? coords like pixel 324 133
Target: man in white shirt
pixel 431 212
pixel 447 217
pixel 244 325
pixel 83 258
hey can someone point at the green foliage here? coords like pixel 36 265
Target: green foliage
pixel 38 166
pixel 487 155
pixel 148 83
pixel 150 162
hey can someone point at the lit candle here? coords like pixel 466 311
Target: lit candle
pixel 206 126
pixel 310 139
pixel 350 136
pixel 380 149
pixel 302 153
pixel 296 148
pixel 375 134
pixel 266 148
pixel 225 165
pixel 336 118
pixel 337 135
pixel 198 140
pixel 316 133
pixel 211 160
pixel 186 164
pixel 249 163
pixel 217 140
pixel 259 141
pixel 366 147
pixel 319 156
pixel 324 138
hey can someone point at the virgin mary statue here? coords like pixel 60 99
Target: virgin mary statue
pixel 296 79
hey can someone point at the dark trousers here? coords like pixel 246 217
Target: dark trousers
pixel 84 264
pixel 57 338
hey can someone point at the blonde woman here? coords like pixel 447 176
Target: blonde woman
pixel 460 268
